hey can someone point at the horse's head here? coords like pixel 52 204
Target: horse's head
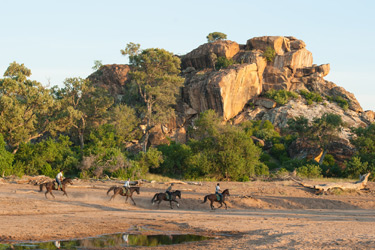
pixel 67 181
pixel 226 192
pixel 178 193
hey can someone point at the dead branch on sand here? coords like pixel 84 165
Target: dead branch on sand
pixel 324 188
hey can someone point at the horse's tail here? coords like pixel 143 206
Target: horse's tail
pixel 153 198
pixel 110 189
pixel 41 187
pixel 205 199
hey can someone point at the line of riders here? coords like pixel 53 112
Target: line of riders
pixel 127 190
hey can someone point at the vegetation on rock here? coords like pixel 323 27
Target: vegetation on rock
pixel 214 36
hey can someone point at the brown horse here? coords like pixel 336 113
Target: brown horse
pixel 53 186
pixel 163 197
pixel 120 191
pixel 213 197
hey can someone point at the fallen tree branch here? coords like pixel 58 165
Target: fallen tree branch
pixel 323 188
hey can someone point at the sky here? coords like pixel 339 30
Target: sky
pixel 62 39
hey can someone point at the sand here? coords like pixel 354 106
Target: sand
pixel 260 215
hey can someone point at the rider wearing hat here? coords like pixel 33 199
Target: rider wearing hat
pixel 169 191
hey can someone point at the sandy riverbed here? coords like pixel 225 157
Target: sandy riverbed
pixel 276 215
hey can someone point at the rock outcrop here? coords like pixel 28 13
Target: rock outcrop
pixel 226 91
pixel 235 92
pixel 112 77
pixel 205 55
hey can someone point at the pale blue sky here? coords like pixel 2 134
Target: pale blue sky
pixel 60 39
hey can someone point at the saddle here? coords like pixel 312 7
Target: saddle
pixel 167 196
pixel 125 191
pixel 218 197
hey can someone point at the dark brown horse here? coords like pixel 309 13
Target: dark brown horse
pixel 163 197
pixel 213 197
pixel 52 185
pixel 120 191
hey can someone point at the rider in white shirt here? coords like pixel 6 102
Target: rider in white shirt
pixel 217 191
pixel 127 185
pixel 59 178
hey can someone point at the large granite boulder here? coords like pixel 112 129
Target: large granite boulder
pixel 225 91
pixel 279 43
pixel 112 77
pixel 205 55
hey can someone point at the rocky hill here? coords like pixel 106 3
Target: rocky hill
pixel 236 92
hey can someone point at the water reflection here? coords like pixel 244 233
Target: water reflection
pixel 112 240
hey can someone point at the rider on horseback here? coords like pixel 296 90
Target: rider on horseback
pixel 217 191
pixel 59 178
pixel 127 185
pixel 169 191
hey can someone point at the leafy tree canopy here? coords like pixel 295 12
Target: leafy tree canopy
pixel 214 36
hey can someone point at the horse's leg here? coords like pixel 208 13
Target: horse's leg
pixel 115 192
pixel 212 205
pixel 126 199
pixel 225 205
pixel 46 193
pixel 170 204
pixel 64 192
pixel 50 191
pixel 178 204
pixel 221 204
pixel 159 202
pixel 131 199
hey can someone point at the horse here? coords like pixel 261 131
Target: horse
pixel 120 191
pixel 163 197
pixel 213 197
pixel 52 186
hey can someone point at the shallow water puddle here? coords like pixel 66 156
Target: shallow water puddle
pixel 110 240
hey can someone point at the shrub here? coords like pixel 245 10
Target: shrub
pixel 222 62
pixel 343 103
pixel 309 171
pixel 356 167
pixel 311 96
pixel 281 97
pixel 269 54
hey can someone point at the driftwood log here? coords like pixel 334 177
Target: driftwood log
pixel 323 188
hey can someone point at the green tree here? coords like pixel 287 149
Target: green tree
pixel 156 75
pixel 26 107
pixel 97 65
pixel 325 130
pixel 214 36
pixel 6 159
pixel 223 151
pixel 46 157
pixel 125 122
pixel 82 106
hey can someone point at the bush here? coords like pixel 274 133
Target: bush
pixel 281 97
pixel 356 167
pixel 309 171
pixel 223 62
pixel 269 54
pixel 311 96
pixel 46 157
pixel 343 103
